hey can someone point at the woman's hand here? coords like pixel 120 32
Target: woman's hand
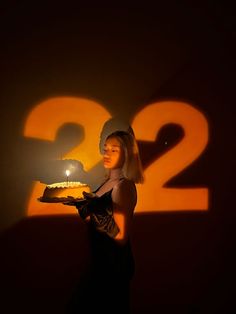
pixel 73 202
pixel 89 196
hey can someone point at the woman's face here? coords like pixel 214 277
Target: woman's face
pixel 113 154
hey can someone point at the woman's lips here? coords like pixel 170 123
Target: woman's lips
pixel 106 161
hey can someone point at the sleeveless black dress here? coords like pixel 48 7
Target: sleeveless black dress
pixel 107 288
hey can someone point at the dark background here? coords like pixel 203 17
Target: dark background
pixel 123 56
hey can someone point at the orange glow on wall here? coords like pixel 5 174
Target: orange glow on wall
pixel 45 119
pixel 43 123
pixel 153 196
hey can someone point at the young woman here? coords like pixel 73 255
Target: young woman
pixel 109 212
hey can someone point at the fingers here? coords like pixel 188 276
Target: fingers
pixel 89 195
pixel 69 203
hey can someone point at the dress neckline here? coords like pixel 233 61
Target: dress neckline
pixel 121 178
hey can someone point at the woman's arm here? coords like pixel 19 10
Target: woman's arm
pixel 124 198
pixel 116 224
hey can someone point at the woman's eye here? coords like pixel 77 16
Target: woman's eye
pixel 109 150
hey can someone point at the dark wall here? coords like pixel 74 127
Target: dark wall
pixel 124 58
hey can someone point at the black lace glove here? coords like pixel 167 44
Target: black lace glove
pixel 89 205
pixel 105 223
pixel 81 205
pixel 91 201
pixel 101 214
pixel 83 210
pixel 100 211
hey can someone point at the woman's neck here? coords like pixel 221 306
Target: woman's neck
pixel 115 174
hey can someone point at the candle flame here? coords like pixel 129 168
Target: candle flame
pixel 67 173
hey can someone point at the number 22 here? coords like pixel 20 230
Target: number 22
pixel 47 117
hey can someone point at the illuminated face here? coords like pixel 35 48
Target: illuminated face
pixel 113 154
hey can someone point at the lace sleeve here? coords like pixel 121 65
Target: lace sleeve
pixel 105 223
pixel 83 211
pixel 101 215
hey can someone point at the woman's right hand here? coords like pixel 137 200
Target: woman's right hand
pixel 76 203
pixel 89 196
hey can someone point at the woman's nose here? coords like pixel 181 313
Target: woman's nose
pixel 106 154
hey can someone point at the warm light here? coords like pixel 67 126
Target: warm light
pixel 44 121
pixel 67 176
pixel 47 117
pixel 153 195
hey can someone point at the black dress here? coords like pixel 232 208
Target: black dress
pixel 107 288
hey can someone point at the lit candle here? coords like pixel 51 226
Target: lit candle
pixel 67 176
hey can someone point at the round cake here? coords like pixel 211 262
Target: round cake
pixel 62 191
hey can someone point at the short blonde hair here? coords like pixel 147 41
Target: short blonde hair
pixel 132 168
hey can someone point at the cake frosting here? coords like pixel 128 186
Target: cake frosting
pixel 62 190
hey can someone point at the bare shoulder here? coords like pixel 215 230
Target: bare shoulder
pixel 125 186
pixel 124 194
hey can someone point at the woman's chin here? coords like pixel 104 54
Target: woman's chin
pixel 106 166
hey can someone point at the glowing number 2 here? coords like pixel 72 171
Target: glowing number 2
pixel 153 196
pixel 43 123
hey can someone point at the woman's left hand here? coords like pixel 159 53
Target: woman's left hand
pixel 76 202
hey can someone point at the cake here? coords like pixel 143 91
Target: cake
pixel 62 191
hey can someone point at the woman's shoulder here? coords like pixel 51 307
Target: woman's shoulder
pixel 124 194
pixel 125 185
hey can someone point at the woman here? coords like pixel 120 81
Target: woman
pixel 109 211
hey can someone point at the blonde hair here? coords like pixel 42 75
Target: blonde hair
pixel 132 168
